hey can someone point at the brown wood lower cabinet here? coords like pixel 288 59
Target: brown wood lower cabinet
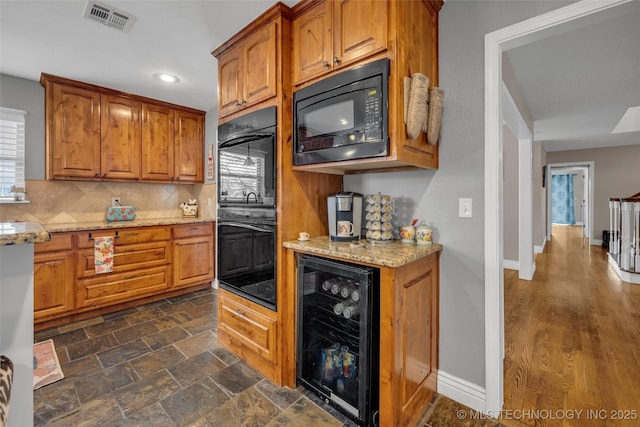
pixel 249 331
pixel 409 323
pixel 192 254
pixel 53 277
pixel 149 263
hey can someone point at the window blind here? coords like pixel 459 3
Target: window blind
pixel 12 148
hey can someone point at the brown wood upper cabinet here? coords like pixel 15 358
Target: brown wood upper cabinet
pixel 331 34
pixel 248 63
pixel 247 71
pixel 95 133
pixel 72 131
pixel 120 130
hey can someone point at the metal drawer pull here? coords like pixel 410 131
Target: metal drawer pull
pixel 241 313
pixel 116 236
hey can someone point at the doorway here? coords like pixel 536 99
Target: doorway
pixel 583 180
pixel 571 16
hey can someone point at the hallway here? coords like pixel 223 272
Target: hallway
pixel 572 339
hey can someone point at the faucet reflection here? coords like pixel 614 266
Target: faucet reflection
pixel 254 195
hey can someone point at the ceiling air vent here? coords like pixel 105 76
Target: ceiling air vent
pixel 109 16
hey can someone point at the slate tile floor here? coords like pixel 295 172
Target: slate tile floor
pixel 160 365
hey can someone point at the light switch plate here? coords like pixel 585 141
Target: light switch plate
pixel 464 208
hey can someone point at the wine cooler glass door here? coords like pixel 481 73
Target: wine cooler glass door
pixel 337 357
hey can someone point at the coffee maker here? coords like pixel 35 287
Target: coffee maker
pixel 345 216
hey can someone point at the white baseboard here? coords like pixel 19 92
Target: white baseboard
pixel 596 242
pixel 462 391
pixel 511 265
pixel 533 271
pixel 625 276
pixel 540 249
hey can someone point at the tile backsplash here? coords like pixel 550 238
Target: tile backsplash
pixel 55 202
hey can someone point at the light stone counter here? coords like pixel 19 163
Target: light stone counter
pixel 395 254
pixel 21 233
pixel 138 222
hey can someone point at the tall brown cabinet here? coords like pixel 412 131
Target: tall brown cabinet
pixel 254 69
pixel 326 37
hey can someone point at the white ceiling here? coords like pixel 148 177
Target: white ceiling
pixel 168 36
pixel 576 84
pixel 579 83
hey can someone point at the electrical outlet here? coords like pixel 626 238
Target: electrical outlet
pixel 464 208
pixel 115 201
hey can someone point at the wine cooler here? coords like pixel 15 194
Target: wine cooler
pixel 338 335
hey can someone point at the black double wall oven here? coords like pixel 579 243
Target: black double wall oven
pixel 246 206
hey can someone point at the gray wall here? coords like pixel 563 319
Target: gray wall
pixel 616 175
pixel 27 95
pixel 435 194
pixel 539 195
pixel 511 192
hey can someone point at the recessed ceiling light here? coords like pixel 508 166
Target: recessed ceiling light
pixel 630 121
pixel 167 78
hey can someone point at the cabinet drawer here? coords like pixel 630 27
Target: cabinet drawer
pixel 125 236
pixel 126 258
pixel 189 230
pixel 114 288
pixel 58 242
pixel 248 328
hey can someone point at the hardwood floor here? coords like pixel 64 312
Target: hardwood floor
pixel 572 340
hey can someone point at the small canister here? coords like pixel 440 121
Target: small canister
pixel 424 234
pixel 407 233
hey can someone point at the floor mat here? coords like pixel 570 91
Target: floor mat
pixel 46 366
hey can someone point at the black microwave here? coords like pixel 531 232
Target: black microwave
pixel 343 117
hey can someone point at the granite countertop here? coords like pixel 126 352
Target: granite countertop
pixel 21 233
pixel 394 254
pixel 138 222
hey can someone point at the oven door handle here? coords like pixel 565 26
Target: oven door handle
pixel 246 226
pixel 243 139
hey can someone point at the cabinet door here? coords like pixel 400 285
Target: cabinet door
pixel 73 134
pixel 418 298
pixel 312 43
pixel 53 281
pixel 157 143
pixel 259 67
pixel 189 147
pixel 230 81
pixel 359 29
pixel 193 261
pixel 121 137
